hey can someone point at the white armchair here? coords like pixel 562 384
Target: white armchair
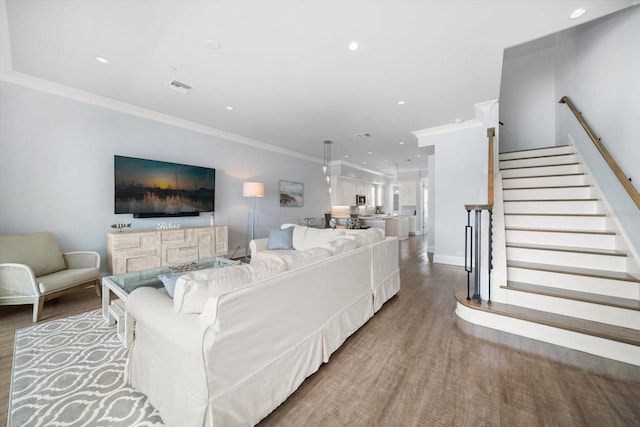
pixel 33 270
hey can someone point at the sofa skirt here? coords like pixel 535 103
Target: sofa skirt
pixel 258 395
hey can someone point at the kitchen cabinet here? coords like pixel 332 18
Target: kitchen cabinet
pixel 345 191
pixel 408 193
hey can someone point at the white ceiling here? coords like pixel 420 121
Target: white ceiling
pixel 285 66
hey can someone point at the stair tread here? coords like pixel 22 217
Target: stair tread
pixel 595 251
pixel 588 327
pixel 555 214
pixel 626 303
pixel 534 149
pixel 541 166
pixel 539 187
pixel 580 271
pixel 555 230
pixel 538 157
pixel 552 200
pixel 542 176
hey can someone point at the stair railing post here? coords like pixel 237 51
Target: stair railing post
pixel 490 252
pixel 468 245
pixel 477 258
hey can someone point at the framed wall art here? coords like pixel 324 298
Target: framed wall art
pixel 291 194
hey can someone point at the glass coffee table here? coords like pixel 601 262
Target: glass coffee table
pixel 121 285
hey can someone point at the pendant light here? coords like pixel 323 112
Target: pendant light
pixel 326 167
pixel 397 184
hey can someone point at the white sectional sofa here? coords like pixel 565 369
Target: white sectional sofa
pixel 235 342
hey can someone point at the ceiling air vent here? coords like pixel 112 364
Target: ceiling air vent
pixel 364 135
pixel 179 86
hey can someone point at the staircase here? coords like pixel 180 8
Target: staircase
pixel 567 266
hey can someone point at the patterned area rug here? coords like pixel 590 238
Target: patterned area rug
pixel 69 372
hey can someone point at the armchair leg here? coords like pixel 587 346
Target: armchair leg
pixel 98 287
pixel 37 308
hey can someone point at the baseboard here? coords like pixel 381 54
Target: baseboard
pixel 446 259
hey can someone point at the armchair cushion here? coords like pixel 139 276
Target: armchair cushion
pixel 64 279
pixel 37 250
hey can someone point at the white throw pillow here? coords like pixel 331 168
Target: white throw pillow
pixel 194 289
pixel 298 237
pixel 319 237
pixel 340 245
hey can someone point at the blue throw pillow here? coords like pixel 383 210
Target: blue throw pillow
pixel 169 281
pixel 280 238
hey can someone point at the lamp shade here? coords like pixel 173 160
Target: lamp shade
pixel 253 189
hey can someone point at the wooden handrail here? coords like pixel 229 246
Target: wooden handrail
pixel 491 132
pixel 624 180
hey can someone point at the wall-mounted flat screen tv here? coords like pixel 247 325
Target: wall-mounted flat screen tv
pixel 152 188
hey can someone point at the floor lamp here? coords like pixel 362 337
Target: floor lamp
pixel 252 190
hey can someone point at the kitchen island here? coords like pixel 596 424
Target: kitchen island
pixel 392 225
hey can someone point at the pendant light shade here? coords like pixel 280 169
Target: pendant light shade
pixel 326 167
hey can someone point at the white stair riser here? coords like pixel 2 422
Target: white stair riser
pixel 570 259
pixel 580 309
pixel 547 193
pixel 580 240
pixel 543 181
pixel 561 207
pixel 538 161
pixel 592 223
pixel 565 149
pixel 595 285
pixel 589 344
pixel 542 171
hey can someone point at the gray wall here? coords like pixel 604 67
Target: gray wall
pixel 56 170
pixel 527 96
pixel 602 77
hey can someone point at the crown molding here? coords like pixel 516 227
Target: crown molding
pixel 50 87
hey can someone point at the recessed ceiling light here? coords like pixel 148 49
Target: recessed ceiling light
pixel 102 59
pixel 370 152
pixel 401 142
pixel 577 13
pixel 346 156
pixel 353 46
pixel 229 108
pixel 401 102
pixel 364 163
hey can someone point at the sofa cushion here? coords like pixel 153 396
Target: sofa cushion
pixel 364 237
pixel 194 289
pixel 339 245
pixel 37 250
pixel 300 259
pixel 280 239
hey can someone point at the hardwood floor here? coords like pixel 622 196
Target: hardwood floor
pixel 416 364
